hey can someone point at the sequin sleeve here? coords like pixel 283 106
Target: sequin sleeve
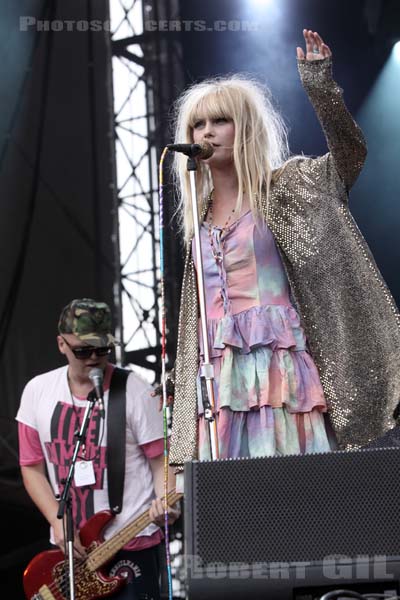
pixel 345 140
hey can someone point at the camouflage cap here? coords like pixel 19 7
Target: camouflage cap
pixel 89 321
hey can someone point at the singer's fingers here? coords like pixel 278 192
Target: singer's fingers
pixel 318 39
pixel 308 38
pixel 316 49
pixel 326 51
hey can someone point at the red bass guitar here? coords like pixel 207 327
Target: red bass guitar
pixel 46 576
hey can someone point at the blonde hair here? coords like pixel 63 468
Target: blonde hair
pixel 259 148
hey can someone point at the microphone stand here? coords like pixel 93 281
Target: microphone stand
pixel 65 505
pixel 206 368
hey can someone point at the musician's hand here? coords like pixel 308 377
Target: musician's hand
pixel 156 512
pixel 170 389
pixel 158 392
pixel 79 550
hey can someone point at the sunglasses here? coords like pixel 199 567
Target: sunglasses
pixel 83 352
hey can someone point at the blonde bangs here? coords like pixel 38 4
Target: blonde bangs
pixel 216 105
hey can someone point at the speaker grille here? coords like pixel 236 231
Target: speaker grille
pixel 294 508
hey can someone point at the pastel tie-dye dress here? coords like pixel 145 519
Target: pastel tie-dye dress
pixel 267 389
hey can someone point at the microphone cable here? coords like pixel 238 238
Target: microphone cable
pixel 165 407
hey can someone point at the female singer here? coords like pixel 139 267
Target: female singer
pixel 300 322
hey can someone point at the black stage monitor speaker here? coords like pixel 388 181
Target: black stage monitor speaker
pixel 293 527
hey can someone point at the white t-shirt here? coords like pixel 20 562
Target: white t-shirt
pixel 48 407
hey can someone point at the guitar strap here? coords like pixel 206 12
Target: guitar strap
pixel 116 438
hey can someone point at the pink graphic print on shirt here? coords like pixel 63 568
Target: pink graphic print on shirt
pixel 65 421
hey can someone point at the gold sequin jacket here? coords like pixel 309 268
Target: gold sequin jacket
pixel 349 316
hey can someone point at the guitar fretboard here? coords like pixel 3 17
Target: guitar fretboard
pixel 107 549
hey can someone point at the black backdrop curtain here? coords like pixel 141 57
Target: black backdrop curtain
pixel 56 203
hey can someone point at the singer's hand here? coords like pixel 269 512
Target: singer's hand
pixel 316 49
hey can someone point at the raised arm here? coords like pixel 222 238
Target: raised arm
pixel 344 138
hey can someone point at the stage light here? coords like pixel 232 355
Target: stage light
pixel 261 2
pixel 396 51
pixel 380 123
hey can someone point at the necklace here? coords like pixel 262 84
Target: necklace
pixel 217 255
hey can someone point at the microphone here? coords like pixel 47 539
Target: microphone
pixel 96 376
pixel 203 150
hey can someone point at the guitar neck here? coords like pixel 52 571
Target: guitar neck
pixel 107 549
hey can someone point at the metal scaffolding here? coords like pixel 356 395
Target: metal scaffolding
pixel 147 75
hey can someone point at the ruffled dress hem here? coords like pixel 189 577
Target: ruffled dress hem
pixel 260 359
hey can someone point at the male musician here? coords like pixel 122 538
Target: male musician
pixel 51 411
